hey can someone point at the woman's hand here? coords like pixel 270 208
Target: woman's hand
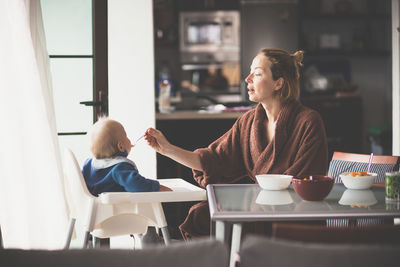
pixel 157 140
pixel 159 143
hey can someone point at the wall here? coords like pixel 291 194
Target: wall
pixel 131 74
pixel 396 78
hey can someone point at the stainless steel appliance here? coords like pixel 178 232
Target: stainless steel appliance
pixel 209 36
pixel 209 44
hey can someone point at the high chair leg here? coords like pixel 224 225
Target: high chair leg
pixel 69 233
pixel 165 233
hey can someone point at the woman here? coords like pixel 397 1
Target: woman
pixel 279 136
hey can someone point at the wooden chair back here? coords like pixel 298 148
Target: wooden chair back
pixel 347 162
pixel 377 159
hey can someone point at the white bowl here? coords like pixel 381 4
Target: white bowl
pixel 361 182
pixel 268 197
pixel 274 181
pixel 358 198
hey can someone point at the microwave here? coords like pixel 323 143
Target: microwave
pixel 209 36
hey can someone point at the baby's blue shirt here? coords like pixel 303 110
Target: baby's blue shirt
pixel 117 174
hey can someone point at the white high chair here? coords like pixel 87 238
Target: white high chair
pixel 107 216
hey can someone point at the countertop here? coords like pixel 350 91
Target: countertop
pixel 198 115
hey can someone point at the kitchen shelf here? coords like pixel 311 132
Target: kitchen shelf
pixel 347 53
pixel 354 16
pixel 361 31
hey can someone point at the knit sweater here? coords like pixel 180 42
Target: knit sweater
pixel 298 148
pixel 117 174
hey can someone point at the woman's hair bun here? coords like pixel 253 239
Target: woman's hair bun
pixel 298 57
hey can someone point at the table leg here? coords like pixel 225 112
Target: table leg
pixel 212 229
pixel 235 246
pixel 220 231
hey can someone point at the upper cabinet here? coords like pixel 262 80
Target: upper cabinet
pixel 199 5
pixel 344 27
pixel 166 16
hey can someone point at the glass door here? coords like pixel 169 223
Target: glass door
pixel 78 96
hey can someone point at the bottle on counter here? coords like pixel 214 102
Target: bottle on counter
pixel 165 89
pixel 164 97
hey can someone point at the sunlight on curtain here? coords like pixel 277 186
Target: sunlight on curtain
pixel 33 211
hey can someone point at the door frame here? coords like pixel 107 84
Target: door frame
pixel 100 58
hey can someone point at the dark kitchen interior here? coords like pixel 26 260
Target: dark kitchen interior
pixel 346 74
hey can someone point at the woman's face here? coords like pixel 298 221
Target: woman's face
pixel 260 84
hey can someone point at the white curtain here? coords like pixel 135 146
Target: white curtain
pixel 33 211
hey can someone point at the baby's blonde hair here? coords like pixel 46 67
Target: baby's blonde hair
pixel 104 137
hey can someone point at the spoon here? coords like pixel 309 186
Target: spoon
pixel 137 140
pixel 370 161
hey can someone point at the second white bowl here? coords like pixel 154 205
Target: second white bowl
pixel 361 182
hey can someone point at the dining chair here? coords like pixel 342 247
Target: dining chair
pixel 352 162
pixel 267 251
pixel 105 220
pixel 199 253
pixel 382 233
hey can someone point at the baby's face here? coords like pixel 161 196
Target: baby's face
pixel 122 138
pixel 125 140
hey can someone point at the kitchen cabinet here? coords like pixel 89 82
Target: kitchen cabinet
pixel 190 130
pixel 201 5
pixel 343 119
pixel 347 45
pixel 344 28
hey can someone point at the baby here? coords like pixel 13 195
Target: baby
pixel 110 170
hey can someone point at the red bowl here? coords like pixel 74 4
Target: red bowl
pixel 314 189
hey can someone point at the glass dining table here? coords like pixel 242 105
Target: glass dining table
pixel 231 205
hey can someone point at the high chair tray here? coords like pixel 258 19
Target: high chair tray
pixel 182 191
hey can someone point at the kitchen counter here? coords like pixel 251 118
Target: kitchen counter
pixel 198 115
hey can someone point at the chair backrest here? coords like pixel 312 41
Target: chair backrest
pixel 348 162
pixel 261 251
pixel 383 233
pixel 79 197
pixel 198 253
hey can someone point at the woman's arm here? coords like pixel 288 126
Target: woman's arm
pixel 159 143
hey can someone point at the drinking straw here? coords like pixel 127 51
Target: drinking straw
pixel 370 161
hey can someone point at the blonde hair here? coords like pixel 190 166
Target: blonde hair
pixel 104 137
pixel 285 65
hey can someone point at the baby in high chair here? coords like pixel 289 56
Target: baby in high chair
pixel 110 170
